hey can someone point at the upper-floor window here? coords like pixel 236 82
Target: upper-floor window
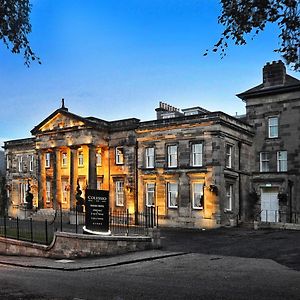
pixel 119 190
pixel 264 162
pixel 150 194
pixel 273 127
pixel 229 197
pixel 172 194
pixel 99 158
pixel 228 158
pixel 7 162
pixel 119 155
pixel 149 157
pixel 64 159
pixel 20 163
pixel 31 163
pixel 80 158
pixel 47 160
pixel 281 161
pixel 172 156
pixel 197 195
pixel 197 151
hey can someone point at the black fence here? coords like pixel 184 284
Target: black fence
pixel 42 232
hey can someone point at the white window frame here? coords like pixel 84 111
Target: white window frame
pixel 119 155
pixel 172 194
pixel 20 163
pixel 197 155
pixel 80 158
pixel 47 159
pixel 7 162
pixel 48 191
pixel 172 158
pixel 264 161
pixel 99 158
pixel 150 194
pixel 273 125
pixel 150 154
pixel 229 197
pixel 228 156
pixel 281 162
pixel 64 191
pixel 196 193
pixel 23 190
pixel 119 192
pixel 31 161
pixel 64 159
pixel 99 184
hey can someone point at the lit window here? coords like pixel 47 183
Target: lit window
pixel 48 191
pixel 31 163
pixel 197 197
pixel 273 127
pixel 228 158
pixel 197 150
pixel 264 162
pixel 47 160
pixel 119 193
pixel 64 159
pixel 119 156
pixel 99 158
pixel 23 190
pixel 229 197
pixel 80 159
pixel 150 194
pixel 281 161
pixel 172 156
pixel 20 163
pixel 172 194
pixel 150 158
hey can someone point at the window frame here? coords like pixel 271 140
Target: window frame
pixel 119 191
pixel 119 155
pixel 23 192
pixel 20 163
pixel 282 161
pixel 201 195
pixel 47 160
pixel 271 126
pixel 228 156
pixel 99 158
pixel 148 158
pixel 64 159
pixel 170 155
pixel 48 191
pixel 80 159
pixel 229 197
pixel 147 192
pixel 31 162
pixel 195 154
pixel 169 194
pixel 264 161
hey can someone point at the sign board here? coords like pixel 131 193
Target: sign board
pixel 97 210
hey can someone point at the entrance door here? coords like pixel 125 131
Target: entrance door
pixel 269 205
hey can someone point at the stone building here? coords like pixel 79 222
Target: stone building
pixel 198 168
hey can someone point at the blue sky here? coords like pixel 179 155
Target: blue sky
pixel 117 59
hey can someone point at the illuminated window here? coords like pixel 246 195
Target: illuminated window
pixel 119 186
pixel 229 197
pixel 64 159
pixel 264 161
pixel 197 150
pixel 31 163
pixel 20 163
pixel 80 158
pixel 150 194
pixel 23 190
pixel 99 158
pixel 172 194
pixel 47 160
pixel 119 156
pixel 197 195
pixel 172 156
pixel 228 158
pixel 273 127
pixel 48 191
pixel 149 157
pixel 281 161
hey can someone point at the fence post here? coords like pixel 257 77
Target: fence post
pixel 127 221
pixel 31 231
pixel 18 232
pixel 5 225
pixel 76 220
pixel 46 231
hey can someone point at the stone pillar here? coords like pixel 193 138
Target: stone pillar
pixel 41 175
pixel 57 171
pixel 92 176
pixel 73 175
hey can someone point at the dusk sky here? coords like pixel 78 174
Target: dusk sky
pixel 117 59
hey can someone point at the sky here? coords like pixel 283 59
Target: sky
pixel 116 59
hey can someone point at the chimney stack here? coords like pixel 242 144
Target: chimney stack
pixel 274 74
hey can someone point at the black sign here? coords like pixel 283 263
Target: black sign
pixel 97 210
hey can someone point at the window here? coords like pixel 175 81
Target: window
pixel 228 158
pixel 20 163
pixel 264 162
pixel 150 194
pixel 281 161
pixel 80 158
pixel 172 194
pixel 197 195
pixel 65 191
pixel 172 156
pixel 64 159
pixel 99 158
pixel 99 184
pixel 7 162
pixel 47 160
pixel 229 197
pixel 273 127
pixel 149 157
pixel 197 150
pixel 31 163
pixel 119 156
pixel 48 191
pixel 23 190
pixel 119 193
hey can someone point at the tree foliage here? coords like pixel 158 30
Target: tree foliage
pixel 15 27
pixel 243 17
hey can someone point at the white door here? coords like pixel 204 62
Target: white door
pixel 269 205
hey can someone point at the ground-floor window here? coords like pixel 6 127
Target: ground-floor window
pixel 65 191
pixel 99 184
pixel 197 195
pixel 119 192
pixel 172 194
pixel 229 197
pixel 23 190
pixel 48 191
pixel 150 194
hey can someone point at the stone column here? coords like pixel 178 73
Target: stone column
pixel 92 176
pixel 57 171
pixel 73 175
pixel 41 176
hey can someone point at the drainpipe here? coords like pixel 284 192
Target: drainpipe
pixel 290 184
pixel 240 184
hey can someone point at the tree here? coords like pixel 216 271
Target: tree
pixel 243 17
pixel 15 27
